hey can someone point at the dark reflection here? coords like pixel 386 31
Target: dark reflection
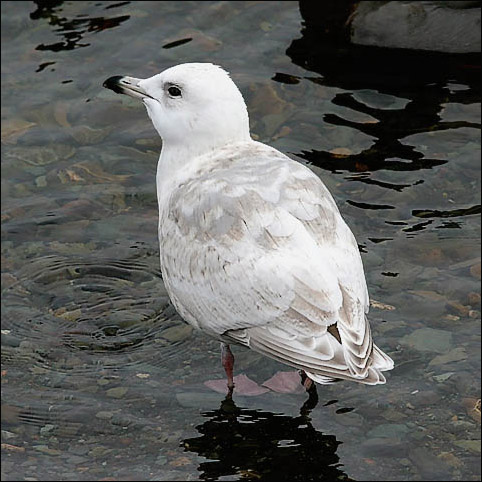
pixel 421 77
pixel 177 43
pixel 72 30
pixel 370 206
pixel 429 213
pixel 260 445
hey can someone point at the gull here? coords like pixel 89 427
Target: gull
pixel 253 249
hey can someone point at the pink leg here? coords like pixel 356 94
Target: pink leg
pixel 227 359
pixel 306 381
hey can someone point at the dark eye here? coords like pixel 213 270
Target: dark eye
pixel 174 91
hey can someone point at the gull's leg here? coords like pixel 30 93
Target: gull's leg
pixel 227 359
pixel 306 381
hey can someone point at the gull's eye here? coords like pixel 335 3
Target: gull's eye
pixel 174 91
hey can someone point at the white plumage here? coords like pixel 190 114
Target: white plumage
pixel 253 248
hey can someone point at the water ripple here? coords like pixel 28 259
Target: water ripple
pixel 72 315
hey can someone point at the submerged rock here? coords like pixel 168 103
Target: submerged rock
pixel 429 339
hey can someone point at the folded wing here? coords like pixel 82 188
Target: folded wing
pixel 254 250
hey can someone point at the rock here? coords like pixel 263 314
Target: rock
pixel 86 135
pixel 425 398
pixel 457 308
pixel 454 355
pixel 350 419
pixel 450 459
pixel 46 429
pixel 116 392
pixel 472 406
pixel 99 451
pixel 462 426
pixel 9 340
pixel 6 435
pixel 12 448
pixel 104 415
pixel 428 295
pixel 122 420
pixel 199 400
pixel 45 449
pixel 14 128
pixel 177 333
pixel 473 299
pixel 41 181
pixel 381 306
pixel 429 466
pixel 161 460
pixel 470 445
pixel 443 377
pixel 43 155
pixel 438 25
pixel 384 447
pixel 393 415
pixel 475 270
pixel 388 430
pixel 379 100
pixel 429 339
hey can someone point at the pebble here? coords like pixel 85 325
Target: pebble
pixel 104 415
pixel 177 333
pixel 425 398
pixel 161 460
pixel 117 392
pixel 443 377
pixel 45 449
pixel 450 459
pixel 471 445
pixel 389 430
pixel 6 435
pixel 198 399
pixel 475 270
pixel 457 308
pixel 384 447
pixel 99 451
pixel 462 425
pixel 429 466
pixel 473 299
pixel 393 415
pixel 454 355
pixel 46 429
pixel 472 407
pixel 77 459
pixel 350 419
pixel 41 181
pixel 429 339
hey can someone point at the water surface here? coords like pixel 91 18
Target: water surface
pixel 101 379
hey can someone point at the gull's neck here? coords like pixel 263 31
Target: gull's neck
pixel 179 162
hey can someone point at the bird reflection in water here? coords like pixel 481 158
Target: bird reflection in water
pixel 261 445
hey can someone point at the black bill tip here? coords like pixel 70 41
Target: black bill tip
pixel 113 83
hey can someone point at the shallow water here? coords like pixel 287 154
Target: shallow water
pixel 101 380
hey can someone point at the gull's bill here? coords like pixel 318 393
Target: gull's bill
pixel 126 85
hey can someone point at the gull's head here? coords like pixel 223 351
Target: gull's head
pixel 195 104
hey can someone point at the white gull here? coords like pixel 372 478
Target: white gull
pixel 253 248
